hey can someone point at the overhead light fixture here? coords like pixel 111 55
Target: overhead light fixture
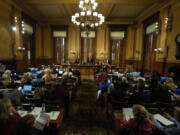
pixel 88 17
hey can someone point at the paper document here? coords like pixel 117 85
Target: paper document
pixel 163 120
pixel 36 111
pixel 41 121
pixel 22 113
pixel 53 115
pixel 128 112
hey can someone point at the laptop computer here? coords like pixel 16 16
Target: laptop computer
pixel 27 88
pixel 60 72
pixel 163 77
pixel 35 74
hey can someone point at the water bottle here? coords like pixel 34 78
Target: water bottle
pixel 43 108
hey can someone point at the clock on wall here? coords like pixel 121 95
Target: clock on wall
pixel 177 40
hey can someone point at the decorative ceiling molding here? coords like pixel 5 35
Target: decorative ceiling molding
pixel 132 2
pixel 26 9
pixel 151 10
pixel 109 10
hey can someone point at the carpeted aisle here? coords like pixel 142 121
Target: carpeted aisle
pixel 86 118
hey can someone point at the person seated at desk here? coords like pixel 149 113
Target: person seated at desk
pixel 104 86
pixel 140 124
pixel 101 77
pixel 6 78
pixel 47 77
pixel 9 118
pixel 138 92
pixel 58 94
pixel 162 93
pixel 26 79
pixel 174 130
pixel 119 92
pixel 68 72
pixel 170 83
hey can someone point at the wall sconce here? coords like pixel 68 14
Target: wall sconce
pixel 21 49
pixel 22 27
pixel 73 52
pixel 14 24
pixel 14 28
pixel 15 19
pixel 168 22
pixel 158 27
pixel 138 52
pixel 101 52
pixel 158 50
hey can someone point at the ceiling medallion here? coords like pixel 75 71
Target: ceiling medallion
pixel 88 17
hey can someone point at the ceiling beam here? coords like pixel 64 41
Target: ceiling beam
pixel 28 10
pixel 68 9
pixel 133 2
pixel 108 11
pixel 151 10
pixel 67 21
pixel 120 21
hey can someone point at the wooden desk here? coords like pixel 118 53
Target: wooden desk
pixel 116 121
pixel 87 71
pixel 58 122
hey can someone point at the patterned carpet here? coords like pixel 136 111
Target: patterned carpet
pixel 86 118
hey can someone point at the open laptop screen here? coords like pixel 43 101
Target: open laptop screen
pixel 60 72
pixel 35 74
pixel 163 77
pixel 27 88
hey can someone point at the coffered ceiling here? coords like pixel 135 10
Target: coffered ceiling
pixel 52 11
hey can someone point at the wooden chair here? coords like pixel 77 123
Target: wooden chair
pixel 149 104
pixel 161 104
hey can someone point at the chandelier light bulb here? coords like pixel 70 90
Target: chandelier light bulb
pixel 88 13
pixel 92 25
pixel 95 14
pixel 82 13
pixel 80 6
pixel 94 7
pixel 78 23
pixel 95 4
pixel 86 1
pixel 99 15
pixel 92 1
pixel 81 2
pixel 77 15
pixel 96 24
pixel 82 25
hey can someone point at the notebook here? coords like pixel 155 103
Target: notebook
pixel 128 112
pixel 22 113
pixel 53 115
pixel 163 120
pixel 41 121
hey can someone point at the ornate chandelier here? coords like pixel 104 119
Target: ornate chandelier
pixel 88 17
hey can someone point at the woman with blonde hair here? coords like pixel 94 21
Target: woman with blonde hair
pixel 8 117
pixel 169 83
pixel 140 124
pixel 47 76
pixel 26 79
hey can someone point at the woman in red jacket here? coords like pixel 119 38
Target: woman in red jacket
pixel 140 124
